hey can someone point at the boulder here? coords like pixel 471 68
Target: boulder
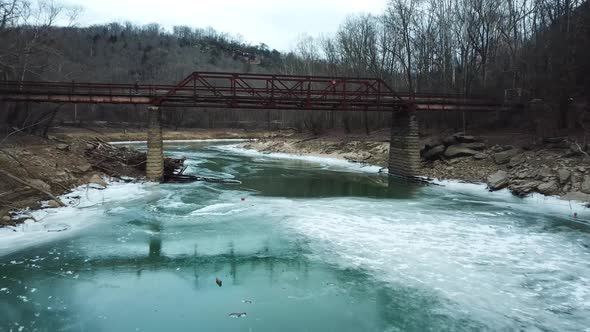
pixel 501 148
pixel 576 196
pixel 473 146
pixel 430 143
pixel 549 188
pixel 434 153
pixel 544 173
pixel 95 179
pixel 458 138
pixel 554 140
pixel 564 176
pixel 455 151
pixel 40 184
pixel 61 176
pixel 585 188
pixel 53 204
pixel 504 157
pixel 516 161
pixel 6 219
pixel 480 156
pixel 462 138
pixel 62 147
pixel 450 140
pixel 497 148
pixel 498 180
pixel 523 189
pixel 84 167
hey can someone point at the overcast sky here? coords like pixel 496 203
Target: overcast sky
pixel 277 23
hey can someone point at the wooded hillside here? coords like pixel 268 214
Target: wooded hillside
pixel 505 48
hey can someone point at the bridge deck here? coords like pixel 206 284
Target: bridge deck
pixel 248 91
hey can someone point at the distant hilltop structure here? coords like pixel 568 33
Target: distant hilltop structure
pixel 249 58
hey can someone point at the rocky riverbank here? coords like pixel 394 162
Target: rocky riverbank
pixel 555 167
pixel 36 169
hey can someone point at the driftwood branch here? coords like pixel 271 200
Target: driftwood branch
pixel 18 130
pixel 26 183
pixel 306 140
pixel 580 150
pixel 13 157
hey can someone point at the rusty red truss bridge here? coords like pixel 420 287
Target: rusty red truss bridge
pixel 249 91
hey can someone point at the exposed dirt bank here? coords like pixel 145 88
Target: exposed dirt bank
pixel 555 167
pixel 34 169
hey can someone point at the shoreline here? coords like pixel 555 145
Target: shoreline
pixel 46 223
pixel 559 207
pixel 74 157
pixel 428 172
pixel 363 150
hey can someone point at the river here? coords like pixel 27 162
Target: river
pixel 300 245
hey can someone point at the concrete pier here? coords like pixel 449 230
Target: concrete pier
pixel 404 152
pixel 155 154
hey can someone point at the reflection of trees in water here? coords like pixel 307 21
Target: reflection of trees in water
pixel 267 259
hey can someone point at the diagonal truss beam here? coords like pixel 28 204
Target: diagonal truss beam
pixel 250 91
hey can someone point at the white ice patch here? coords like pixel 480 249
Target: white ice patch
pixel 85 207
pixel 220 209
pixel 485 264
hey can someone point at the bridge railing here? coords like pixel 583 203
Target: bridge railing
pixel 249 91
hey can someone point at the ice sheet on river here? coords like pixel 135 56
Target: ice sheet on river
pixel 85 207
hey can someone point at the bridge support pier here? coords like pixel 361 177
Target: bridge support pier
pixel 404 149
pixel 155 153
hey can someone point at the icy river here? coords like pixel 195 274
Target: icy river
pixel 300 245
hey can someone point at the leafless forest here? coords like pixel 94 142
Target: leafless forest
pixel 509 49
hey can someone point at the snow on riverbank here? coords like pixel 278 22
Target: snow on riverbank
pixel 576 211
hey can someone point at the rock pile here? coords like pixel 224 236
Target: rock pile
pixel 556 168
pixel 454 146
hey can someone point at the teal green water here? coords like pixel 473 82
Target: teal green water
pixel 312 247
